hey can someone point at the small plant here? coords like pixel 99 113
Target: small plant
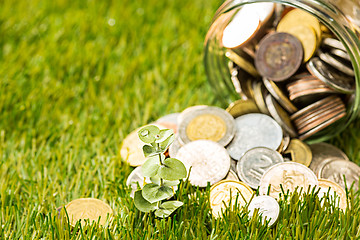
pixel 163 173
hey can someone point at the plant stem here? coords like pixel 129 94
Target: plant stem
pixel 161 180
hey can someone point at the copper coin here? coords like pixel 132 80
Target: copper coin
pixel 311 107
pixel 309 92
pixel 279 56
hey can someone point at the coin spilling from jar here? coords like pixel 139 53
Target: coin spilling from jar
pixel 290 65
pixel 239 149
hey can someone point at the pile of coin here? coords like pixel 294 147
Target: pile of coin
pixel 287 62
pixel 241 148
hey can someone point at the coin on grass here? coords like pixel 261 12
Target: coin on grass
pixel 335 191
pixel 254 130
pixel 225 194
pixel 267 207
pixel 341 83
pixel 175 146
pixel 210 123
pixel 131 148
pixel 241 107
pixel 290 175
pixel 278 56
pixel 88 208
pixel 255 162
pixel 339 171
pixel 299 151
pixel 169 121
pixel 208 160
pixel 136 177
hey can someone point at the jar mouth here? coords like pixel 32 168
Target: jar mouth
pixel 327 14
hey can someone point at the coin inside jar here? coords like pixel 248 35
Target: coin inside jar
pixel 279 56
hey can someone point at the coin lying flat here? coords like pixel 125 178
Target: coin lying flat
pixel 225 193
pixel 278 56
pixel 209 161
pixel 131 148
pixel 136 177
pixel 254 130
pixel 169 121
pixel 241 107
pixel 88 208
pixel 300 152
pixel 335 188
pixel 335 81
pixel 339 171
pixel 209 123
pixel 268 207
pixel 288 174
pixel 255 162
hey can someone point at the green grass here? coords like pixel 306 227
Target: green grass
pixel 73 86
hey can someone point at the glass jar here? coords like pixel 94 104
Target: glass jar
pixel 339 16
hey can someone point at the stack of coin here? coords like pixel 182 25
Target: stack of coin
pixel 298 63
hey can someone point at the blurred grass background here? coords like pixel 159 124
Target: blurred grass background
pixel 76 77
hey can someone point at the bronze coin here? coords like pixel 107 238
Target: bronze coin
pixel 310 107
pixel 307 92
pixel 279 56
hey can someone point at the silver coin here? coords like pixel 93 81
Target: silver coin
pixel 259 97
pixel 253 164
pixel 169 121
pixel 232 176
pixel 280 115
pixel 335 63
pixel 341 54
pixel 324 152
pixel 254 130
pixel 175 146
pixel 233 164
pixel 340 83
pixel 217 125
pixel 268 207
pixel 208 160
pixel 290 175
pixel 339 171
pixel 333 43
pixel 136 177
pixel 286 142
pixel 188 110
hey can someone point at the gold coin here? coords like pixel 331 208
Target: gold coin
pixel 300 152
pixel 307 37
pixel 131 148
pixel 242 63
pixel 206 126
pixel 225 192
pixel 88 208
pixel 259 97
pixel 325 184
pixel 241 107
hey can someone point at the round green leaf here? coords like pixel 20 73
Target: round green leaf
pixel 156 180
pixel 166 143
pixel 151 166
pixel 149 133
pixel 142 204
pixel 167 208
pixel 154 193
pixel 172 169
pixel 163 135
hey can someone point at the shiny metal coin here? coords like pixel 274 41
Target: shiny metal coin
pixel 188 110
pixel 208 160
pixel 333 43
pixel 341 54
pixel 335 81
pixel 267 207
pixel 169 121
pixel 255 162
pixel 225 194
pixel 242 62
pixel 136 177
pixel 335 63
pixel 290 175
pixel 209 123
pixel 254 130
pixel 279 56
pixel 259 97
pixel 175 146
pixel 241 107
pixel 232 176
pixel 335 190
pixel 280 115
pixel 339 171
pixel 300 152
pixel 312 107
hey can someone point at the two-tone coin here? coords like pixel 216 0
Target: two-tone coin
pixel 267 207
pixel 255 162
pixel 209 123
pixel 88 209
pixel 279 56
pixel 335 191
pixel 208 161
pixel 254 130
pixel 299 151
pixel 290 175
pixel 227 193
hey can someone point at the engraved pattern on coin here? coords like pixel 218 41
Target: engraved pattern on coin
pixel 253 164
pixel 300 152
pixel 290 175
pixel 335 188
pixel 268 207
pixel 254 130
pixel 209 161
pixel 226 191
